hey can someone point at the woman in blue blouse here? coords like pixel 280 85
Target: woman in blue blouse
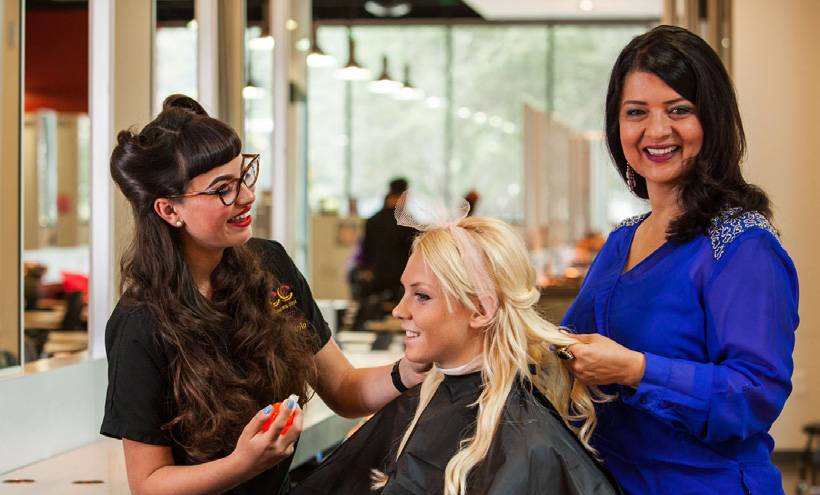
pixel 690 309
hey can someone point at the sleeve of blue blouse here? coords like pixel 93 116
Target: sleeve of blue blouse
pixel 750 303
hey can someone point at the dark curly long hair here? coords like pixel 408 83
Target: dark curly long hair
pixel 232 354
pixel 689 66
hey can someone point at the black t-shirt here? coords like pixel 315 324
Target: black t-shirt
pixel 386 249
pixel 139 400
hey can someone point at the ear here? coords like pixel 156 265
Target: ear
pixel 479 320
pixel 167 210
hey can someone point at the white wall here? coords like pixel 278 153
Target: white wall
pixel 777 74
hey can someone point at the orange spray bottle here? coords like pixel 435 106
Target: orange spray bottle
pixel 276 407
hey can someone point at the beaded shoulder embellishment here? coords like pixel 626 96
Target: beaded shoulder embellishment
pixel 730 223
pixel 631 221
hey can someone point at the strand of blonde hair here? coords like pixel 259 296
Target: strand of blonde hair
pixel 515 339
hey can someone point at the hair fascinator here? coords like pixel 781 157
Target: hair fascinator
pixel 425 214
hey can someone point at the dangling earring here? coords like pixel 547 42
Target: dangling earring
pixel 179 223
pixel 630 178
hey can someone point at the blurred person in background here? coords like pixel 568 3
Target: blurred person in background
pixel 384 252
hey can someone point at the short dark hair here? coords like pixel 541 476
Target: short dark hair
pixel 397 186
pixel 688 65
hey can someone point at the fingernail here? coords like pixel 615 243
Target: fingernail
pixel 267 410
pixel 291 402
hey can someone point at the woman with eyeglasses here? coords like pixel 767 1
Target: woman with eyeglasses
pixel 214 326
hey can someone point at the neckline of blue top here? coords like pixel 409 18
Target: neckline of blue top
pixel 725 227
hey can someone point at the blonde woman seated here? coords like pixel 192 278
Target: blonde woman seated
pixel 499 413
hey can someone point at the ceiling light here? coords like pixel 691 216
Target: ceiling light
pixel 385 84
pixel 408 91
pixel 586 5
pixel 316 57
pixel 291 25
pixel 387 8
pixel 352 71
pixel 463 113
pixel 251 92
pixel 261 43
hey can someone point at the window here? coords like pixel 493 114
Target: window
pixel 465 133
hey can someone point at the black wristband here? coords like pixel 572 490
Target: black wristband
pixel 396 377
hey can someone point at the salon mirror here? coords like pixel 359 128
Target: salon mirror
pixel 10 15
pixel 55 179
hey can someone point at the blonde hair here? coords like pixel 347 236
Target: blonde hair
pixel 515 339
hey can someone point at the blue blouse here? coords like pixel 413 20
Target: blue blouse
pixel 715 317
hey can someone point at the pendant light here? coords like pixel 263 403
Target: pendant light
pixel 352 71
pixel 409 92
pixel 385 84
pixel 388 8
pixel 251 91
pixel 317 57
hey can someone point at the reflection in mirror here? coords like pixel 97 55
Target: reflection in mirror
pixel 55 181
pixel 175 51
pixel 10 36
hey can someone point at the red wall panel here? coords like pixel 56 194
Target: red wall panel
pixel 56 67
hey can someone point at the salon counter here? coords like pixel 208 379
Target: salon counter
pixel 99 467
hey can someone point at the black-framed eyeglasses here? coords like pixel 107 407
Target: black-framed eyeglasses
pixel 228 191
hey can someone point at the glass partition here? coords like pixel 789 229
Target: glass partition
pixel 496 70
pixel 462 130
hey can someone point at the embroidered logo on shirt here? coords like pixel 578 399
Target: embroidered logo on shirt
pixel 281 298
pixel 283 301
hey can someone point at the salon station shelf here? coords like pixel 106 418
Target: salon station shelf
pixel 388 324
pixel 555 301
pixel 99 468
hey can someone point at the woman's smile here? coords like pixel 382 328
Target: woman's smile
pixel 243 219
pixel 661 153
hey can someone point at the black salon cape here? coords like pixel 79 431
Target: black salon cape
pixel 533 452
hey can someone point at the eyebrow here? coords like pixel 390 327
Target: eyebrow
pixel 220 179
pixel 417 284
pixel 639 102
